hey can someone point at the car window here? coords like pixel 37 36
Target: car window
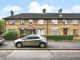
pixel 35 37
pixel 29 37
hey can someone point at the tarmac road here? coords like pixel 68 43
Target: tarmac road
pixel 39 55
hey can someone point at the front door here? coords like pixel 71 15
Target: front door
pixel 75 32
pixel 65 31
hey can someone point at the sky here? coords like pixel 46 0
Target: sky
pixel 36 6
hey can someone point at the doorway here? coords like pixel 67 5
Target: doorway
pixel 65 31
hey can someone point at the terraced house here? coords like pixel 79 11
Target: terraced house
pixel 44 23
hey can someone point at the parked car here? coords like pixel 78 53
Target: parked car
pixel 31 40
pixel 2 40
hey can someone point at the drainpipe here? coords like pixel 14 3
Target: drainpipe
pixel 47 27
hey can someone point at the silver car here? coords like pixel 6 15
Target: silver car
pixel 31 40
pixel 2 40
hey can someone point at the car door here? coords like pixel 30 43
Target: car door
pixel 35 41
pixel 28 41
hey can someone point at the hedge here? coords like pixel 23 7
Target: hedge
pixel 22 35
pixel 60 37
pixel 10 35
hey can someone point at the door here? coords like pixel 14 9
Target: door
pixel 75 32
pixel 27 41
pixel 31 41
pixel 65 31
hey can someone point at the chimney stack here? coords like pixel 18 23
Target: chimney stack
pixel 60 11
pixel 12 13
pixel 44 10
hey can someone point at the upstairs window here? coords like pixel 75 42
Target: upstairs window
pixel 12 22
pixel 40 21
pixel 30 21
pixel 74 22
pixel 22 22
pixel 11 29
pixel 54 21
pixel 65 22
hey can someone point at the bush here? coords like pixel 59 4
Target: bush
pixel 22 35
pixel 10 35
pixel 60 37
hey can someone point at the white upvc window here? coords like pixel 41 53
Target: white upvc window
pixel 40 21
pixel 12 22
pixel 65 22
pixel 41 31
pixel 54 31
pixel 54 21
pixel 30 21
pixel 74 22
pixel 21 22
pixel 10 29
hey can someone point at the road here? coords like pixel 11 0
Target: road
pixel 39 55
pixel 53 45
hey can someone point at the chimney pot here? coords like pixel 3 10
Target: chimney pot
pixel 12 12
pixel 60 11
pixel 44 10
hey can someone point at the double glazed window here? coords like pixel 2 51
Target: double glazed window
pixel 12 22
pixel 22 22
pixel 74 22
pixel 65 22
pixel 11 29
pixel 54 30
pixel 41 31
pixel 30 21
pixel 40 21
pixel 54 21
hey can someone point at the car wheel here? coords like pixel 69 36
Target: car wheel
pixel 42 45
pixel 18 45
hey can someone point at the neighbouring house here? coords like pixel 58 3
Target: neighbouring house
pixel 44 23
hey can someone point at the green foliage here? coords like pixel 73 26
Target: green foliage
pixel 10 35
pixel 23 35
pixel 60 37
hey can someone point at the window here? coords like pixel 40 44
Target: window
pixel 54 30
pixel 11 29
pixel 22 22
pixel 35 37
pixel 30 21
pixel 29 37
pixel 74 22
pixel 40 21
pixel 12 22
pixel 65 22
pixel 54 21
pixel 41 31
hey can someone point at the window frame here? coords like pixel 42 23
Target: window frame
pixel 40 21
pixel 12 22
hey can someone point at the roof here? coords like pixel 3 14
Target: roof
pixel 44 15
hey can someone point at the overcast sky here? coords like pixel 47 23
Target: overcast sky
pixel 36 6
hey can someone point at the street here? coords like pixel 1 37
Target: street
pixel 53 45
pixel 39 55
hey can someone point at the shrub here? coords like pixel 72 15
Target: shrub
pixel 22 35
pixel 10 35
pixel 60 37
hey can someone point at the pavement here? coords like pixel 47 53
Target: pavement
pixel 39 55
pixel 51 45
